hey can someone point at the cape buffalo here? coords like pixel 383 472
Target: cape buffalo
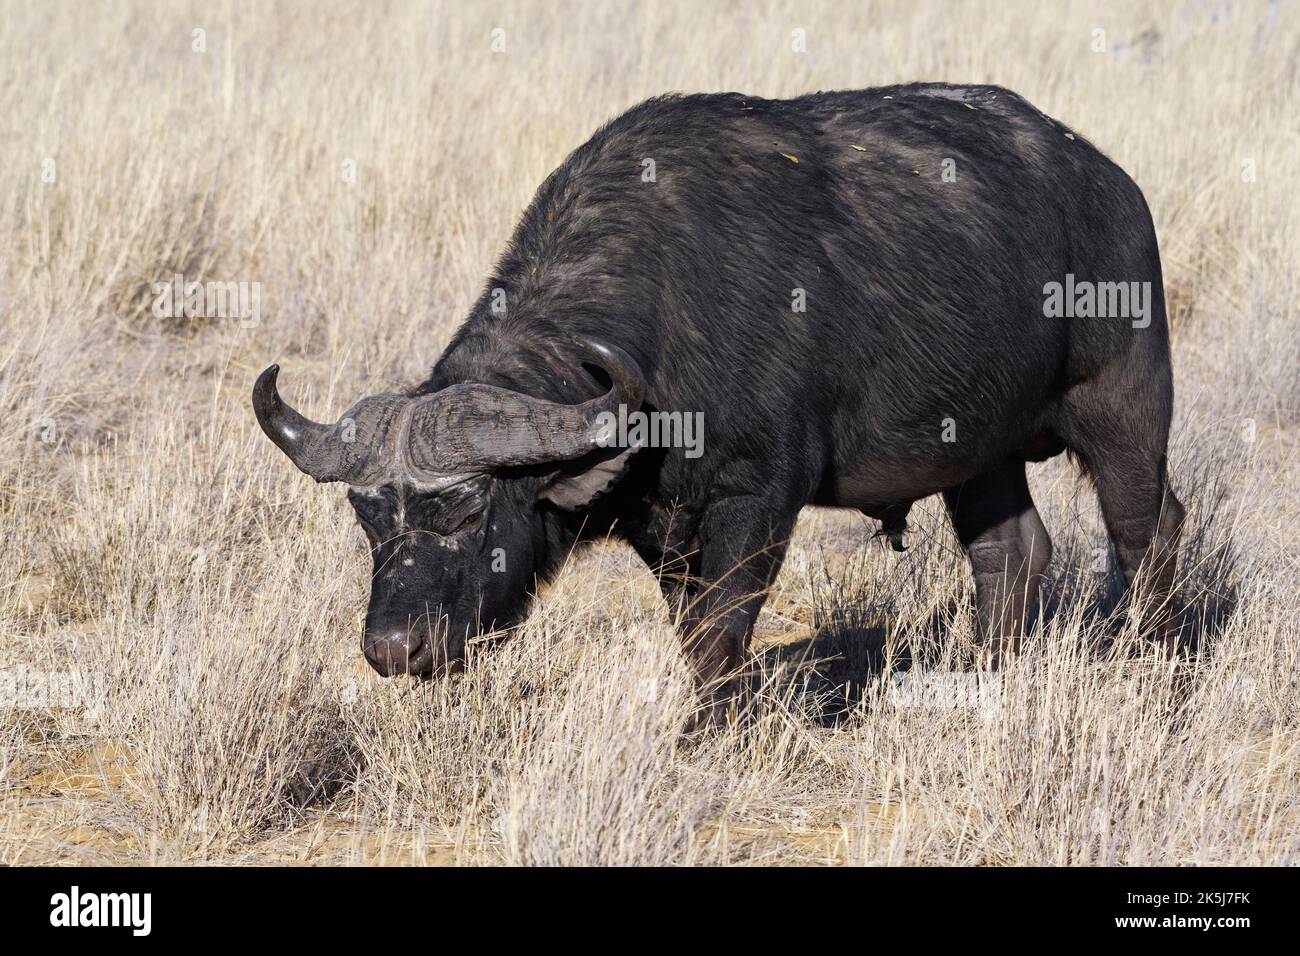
pixel 869 296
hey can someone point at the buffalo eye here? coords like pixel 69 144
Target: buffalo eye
pixel 468 522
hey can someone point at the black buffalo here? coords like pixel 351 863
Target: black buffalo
pixel 871 297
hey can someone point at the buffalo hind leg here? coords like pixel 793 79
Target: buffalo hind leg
pixel 743 541
pixel 1119 428
pixel 1144 520
pixel 1008 548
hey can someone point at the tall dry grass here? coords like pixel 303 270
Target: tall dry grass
pixel 157 545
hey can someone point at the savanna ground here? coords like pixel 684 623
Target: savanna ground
pixel 179 608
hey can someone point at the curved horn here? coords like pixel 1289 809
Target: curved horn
pixel 473 427
pixel 629 383
pixel 318 450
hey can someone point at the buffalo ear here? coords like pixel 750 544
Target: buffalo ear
pixel 585 480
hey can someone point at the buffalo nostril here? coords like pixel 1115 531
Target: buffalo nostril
pixel 390 652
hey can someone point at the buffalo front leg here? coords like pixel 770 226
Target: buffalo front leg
pixel 742 543
pixel 1008 548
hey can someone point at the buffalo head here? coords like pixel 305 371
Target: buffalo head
pixel 451 489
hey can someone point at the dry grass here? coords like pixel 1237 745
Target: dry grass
pixel 155 544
